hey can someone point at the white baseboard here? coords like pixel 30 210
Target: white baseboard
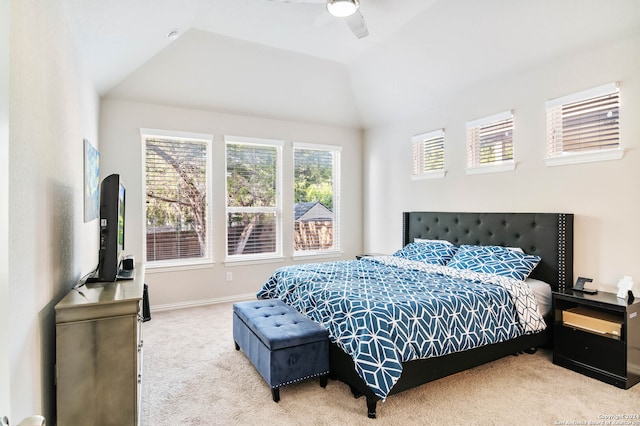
pixel 202 302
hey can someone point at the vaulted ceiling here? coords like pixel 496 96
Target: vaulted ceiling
pixel 292 60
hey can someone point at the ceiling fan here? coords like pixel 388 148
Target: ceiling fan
pixel 349 10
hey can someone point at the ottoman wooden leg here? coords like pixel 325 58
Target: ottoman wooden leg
pixel 275 393
pixel 323 381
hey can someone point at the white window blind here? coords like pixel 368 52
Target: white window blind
pixel 584 123
pixel 253 197
pixel 490 141
pixel 177 210
pixel 428 154
pixel 316 171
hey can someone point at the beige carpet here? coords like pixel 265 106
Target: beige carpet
pixel 194 376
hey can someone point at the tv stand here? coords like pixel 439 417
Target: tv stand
pixel 99 353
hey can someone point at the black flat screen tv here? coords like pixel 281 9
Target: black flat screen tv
pixel 112 215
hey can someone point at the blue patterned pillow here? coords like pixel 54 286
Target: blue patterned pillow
pixel 495 260
pixel 434 252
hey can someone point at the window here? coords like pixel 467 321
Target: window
pixel 490 144
pixel 316 174
pixel 428 155
pixel 177 187
pixel 253 198
pixel 584 126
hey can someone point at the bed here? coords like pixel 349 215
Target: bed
pixel 379 348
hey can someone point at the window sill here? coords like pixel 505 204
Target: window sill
pixel 253 260
pixel 439 174
pixel 316 255
pixel 492 168
pixel 157 268
pixel 585 157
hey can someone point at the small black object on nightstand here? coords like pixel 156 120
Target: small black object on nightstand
pixel 579 286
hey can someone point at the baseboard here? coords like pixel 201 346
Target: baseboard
pixel 202 302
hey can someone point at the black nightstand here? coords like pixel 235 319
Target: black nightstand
pixel 607 357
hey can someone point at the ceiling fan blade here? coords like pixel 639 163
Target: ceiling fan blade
pixel 357 24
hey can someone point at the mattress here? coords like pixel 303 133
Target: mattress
pixel 542 292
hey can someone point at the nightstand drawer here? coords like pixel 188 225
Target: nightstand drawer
pixel 597 351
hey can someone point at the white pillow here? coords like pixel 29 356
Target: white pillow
pixel 422 240
pixel 518 249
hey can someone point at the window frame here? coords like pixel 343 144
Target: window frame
pixel 262 257
pixel 418 143
pixel 559 158
pixel 336 151
pixel 475 126
pixel 181 263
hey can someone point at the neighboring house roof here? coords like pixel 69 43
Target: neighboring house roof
pixel 312 211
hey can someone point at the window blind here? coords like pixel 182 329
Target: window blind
pixel 428 152
pixel 316 198
pixel 584 122
pixel 490 140
pixel 252 233
pixel 176 199
pixel 253 197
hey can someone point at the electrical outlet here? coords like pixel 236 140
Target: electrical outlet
pixel 229 276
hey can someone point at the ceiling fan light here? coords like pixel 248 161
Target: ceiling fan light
pixel 342 8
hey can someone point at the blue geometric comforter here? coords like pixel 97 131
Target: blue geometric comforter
pixel 385 310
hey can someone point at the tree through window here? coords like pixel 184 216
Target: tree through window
pixel 316 198
pixel 253 197
pixel 176 182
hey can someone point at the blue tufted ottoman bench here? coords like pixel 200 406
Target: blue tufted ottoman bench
pixel 283 345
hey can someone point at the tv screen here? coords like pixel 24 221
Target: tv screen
pixel 121 192
pixel 112 226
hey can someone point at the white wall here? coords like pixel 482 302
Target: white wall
pixel 463 43
pixel 603 196
pixel 53 108
pixel 5 388
pixel 120 123
pixel 203 70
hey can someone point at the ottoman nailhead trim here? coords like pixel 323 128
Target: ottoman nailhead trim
pixel 300 379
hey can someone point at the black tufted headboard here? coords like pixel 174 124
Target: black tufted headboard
pixel 548 235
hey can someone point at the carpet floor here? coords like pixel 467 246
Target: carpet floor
pixel 192 375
